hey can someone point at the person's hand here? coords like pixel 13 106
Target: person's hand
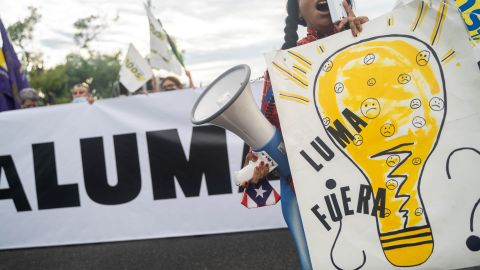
pixel 259 173
pixel 190 80
pixel 90 99
pixel 353 21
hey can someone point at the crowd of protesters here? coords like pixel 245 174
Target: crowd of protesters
pixel 30 98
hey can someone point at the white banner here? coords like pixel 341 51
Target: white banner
pixel 135 70
pixel 120 169
pixel 382 133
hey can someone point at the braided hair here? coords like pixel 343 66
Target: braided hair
pixel 291 24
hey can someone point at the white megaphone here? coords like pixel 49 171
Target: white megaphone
pixel 228 103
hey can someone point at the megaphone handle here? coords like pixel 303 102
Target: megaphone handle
pixel 245 174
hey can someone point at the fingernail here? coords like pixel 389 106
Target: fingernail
pixel 261 163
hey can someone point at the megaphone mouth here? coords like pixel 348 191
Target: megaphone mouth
pixel 226 99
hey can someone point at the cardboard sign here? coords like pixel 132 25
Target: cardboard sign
pixel 382 138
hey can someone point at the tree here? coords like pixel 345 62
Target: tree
pixel 102 68
pixel 56 82
pixel 88 29
pixel 21 35
pixel 53 82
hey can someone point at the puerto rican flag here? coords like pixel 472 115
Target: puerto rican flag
pixel 260 194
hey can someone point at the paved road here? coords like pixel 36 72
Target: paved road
pixel 271 249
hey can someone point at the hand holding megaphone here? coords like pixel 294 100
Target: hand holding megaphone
pixel 228 103
pixel 246 174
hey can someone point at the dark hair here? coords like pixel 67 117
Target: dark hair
pixel 291 24
pixel 174 79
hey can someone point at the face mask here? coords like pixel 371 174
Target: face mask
pixel 79 100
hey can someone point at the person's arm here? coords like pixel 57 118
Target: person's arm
pixel 269 109
pixel 351 20
pixel 190 80
pixel 155 85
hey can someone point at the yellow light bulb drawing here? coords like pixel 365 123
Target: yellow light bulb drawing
pixel 395 85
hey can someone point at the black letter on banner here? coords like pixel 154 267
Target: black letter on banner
pixel 363 198
pixel 49 193
pixel 95 172
pixel 208 155
pixel 340 133
pixel 335 215
pixel 321 147
pixel 346 200
pixel 15 190
pixel 379 203
pixel 321 217
pixel 354 120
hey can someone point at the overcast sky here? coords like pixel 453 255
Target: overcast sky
pixel 215 34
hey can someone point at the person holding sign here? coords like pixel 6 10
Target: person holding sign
pixel 315 15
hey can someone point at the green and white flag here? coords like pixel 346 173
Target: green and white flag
pixel 163 52
pixel 135 70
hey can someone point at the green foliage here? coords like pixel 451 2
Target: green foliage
pixel 87 30
pixel 22 31
pixel 57 82
pixel 102 68
pixel 21 35
pixel 52 82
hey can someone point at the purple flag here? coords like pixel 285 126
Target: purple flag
pixel 12 79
